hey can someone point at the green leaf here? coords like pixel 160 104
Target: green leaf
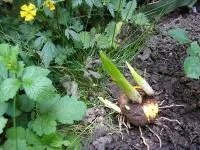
pixel 85 39
pixel 23 134
pixel 3 108
pixel 3 122
pixel 37 86
pixel 48 53
pixel 9 88
pixel 54 140
pixel 118 4
pixel 119 79
pixel 8 56
pixel 34 71
pixel 66 110
pixel 179 35
pixel 43 124
pixel 103 41
pixel 128 11
pixel 194 49
pixel 3 72
pixel 11 145
pixel 191 67
pixel 89 2
pixel 140 19
pixel 10 111
pixel 111 9
pixel 76 3
pixel 24 103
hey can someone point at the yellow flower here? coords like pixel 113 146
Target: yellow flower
pixel 28 12
pixel 50 4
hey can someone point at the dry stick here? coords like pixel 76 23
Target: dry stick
pixel 160 141
pixel 143 139
pixel 171 120
pixel 172 105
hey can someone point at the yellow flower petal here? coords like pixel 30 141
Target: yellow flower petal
pixel 31 6
pixel 29 18
pixel 23 13
pixel 52 7
pixel 24 7
pixel 33 12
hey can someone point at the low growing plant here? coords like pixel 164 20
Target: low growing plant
pixel 192 61
pixel 30 107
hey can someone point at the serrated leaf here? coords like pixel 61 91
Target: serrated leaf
pixel 54 140
pixel 103 41
pixel 39 41
pixel 85 39
pixel 118 4
pixel 74 35
pixel 119 79
pixel 36 85
pixel 66 110
pixel 3 72
pixel 9 88
pixel 179 35
pixel 39 88
pixel 140 19
pixel 24 103
pixel 128 11
pixel 194 49
pixel 23 134
pixel 3 122
pixel 3 108
pixel 191 67
pixel 43 124
pixel 48 53
pixel 11 145
pixel 111 9
pixel 8 56
pixel 34 71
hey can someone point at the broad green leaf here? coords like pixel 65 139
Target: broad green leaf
pixel 128 11
pixel 103 41
pixel 53 140
pixel 89 2
pixel 36 85
pixel 40 41
pixel 10 111
pixel 8 56
pixel 194 49
pixel 3 108
pixel 192 67
pixel 3 72
pixel 39 88
pixel 66 110
pixel 118 4
pixel 23 134
pixel 48 53
pixel 111 9
pixel 9 88
pixel 34 71
pixel 97 3
pixel 85 39
pixel 3 122
pixel 140 19
pixel 179 35
pixel 73 34
pixel 11 145
pixel 24 103
pixel 43 124
pixel 76 3
pixel 119 79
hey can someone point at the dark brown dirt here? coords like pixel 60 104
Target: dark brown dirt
pixel 161 63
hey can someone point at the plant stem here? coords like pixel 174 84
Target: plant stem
pixel 14 121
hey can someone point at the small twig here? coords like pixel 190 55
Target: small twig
pixel 143 139
pixel 160 141
pixel 171 120
pixel 161 103
pixel 172 105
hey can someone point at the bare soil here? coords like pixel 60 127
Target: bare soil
pixel 161 62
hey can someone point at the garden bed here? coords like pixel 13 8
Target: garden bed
pixel 161 62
